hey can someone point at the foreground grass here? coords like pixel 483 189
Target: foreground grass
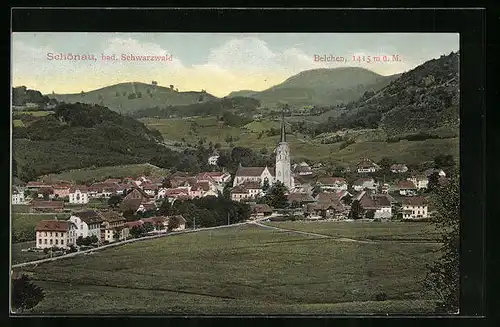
pixel 101 173
pixel 239 270
pixel 384 231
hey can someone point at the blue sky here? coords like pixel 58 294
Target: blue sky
pixel 219 63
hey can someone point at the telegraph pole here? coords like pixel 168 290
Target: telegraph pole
pixel 228 218
pixel 194 222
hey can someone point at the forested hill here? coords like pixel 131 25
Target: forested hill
pixel 132 96
pixel 324 86
pixel 423 99
pixel 82 135
pixel 21 96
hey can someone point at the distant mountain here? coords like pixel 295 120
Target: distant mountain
pixel 132 96
pixel 423 99
pixel 324 87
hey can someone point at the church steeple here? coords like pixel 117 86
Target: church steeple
pixel 283 132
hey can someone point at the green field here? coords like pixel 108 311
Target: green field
pixel 18 123
pixel 241 270
pixel 369 143
pixel 102 173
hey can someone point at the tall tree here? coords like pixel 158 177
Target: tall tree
pixel 276 197
pixel 443 275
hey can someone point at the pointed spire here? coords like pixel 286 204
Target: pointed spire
pixel 283 132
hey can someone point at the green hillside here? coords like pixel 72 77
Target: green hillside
pixel 80 135
pixel 423 99
pixel 132 96
pixel 324 86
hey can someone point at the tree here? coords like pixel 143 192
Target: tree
pixel 265 185
pixel 173 223
pixel 116 234
pixel 263 151
pixel 94 239
pixel 444 161
pixel 114 201
pixel 276 197
pixel 154 82
pixel 386 163
pixel 79 241
pixel 171 87
pixel 443 275
pixel 25 294
pixel 433 181
pixel 370 214
pixel 356 209
pixel 137 231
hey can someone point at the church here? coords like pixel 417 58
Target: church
pixel 281 172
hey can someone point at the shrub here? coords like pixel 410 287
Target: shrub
pixel 382 296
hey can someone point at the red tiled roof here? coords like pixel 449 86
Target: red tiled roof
pixel 361 181
pixel 131 224
pixel 251 185
pixel 250 171
pixel 36 184
pixel 239 190
pixel 405 184
pixel 112 180
pixel 82 189
pixel 53 225
pixel 300 197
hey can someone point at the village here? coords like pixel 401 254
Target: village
pixel 128 207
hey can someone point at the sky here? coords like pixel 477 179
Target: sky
pixel 216 62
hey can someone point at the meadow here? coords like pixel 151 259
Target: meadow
pixel 369 143
pixel 244 269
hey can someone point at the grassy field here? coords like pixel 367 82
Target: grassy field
pixel 240 270
pixel 101 173
pixel 18 123
pixel 369 143
pixel 18 256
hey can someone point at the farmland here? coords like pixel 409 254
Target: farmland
pixel 369 143
pixel 244 269
pixel 101 173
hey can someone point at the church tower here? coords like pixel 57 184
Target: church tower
pixel 283 168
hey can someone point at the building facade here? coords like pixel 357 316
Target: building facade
pixel 283 166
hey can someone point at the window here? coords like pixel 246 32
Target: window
pixel 62 242
pixel 81 226
pixel 39 241
pixel 44 233
pixel 57 242
pixel 50 241
pixel 45 241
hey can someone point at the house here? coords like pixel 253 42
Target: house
pixel 260 210
pixel 212 160
pixel 378 203
pixel 78 195
pixel 303 184
pixel 406 188
pixel 102 190
pixel 50 233
pixel 414 208
pixel 367 166
pixel 134 199
pixel 178 193
pixel 420 181
pixel 399 168
pixel 324 210
pixel 210 193
pixel 364 183
pixel 47 206
pixel 112 227
pixel 160 223
pixel 254 174
pixel 299 199
pixel 143 207
pixel 87 223
pixel 17 196
pixel 431 171
pixel 253 188
pixel 216 176
pixel 239 193
pixel 332 183
pixel 149 188
pixel 385 188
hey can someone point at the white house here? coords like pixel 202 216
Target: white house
pixel 87 223
pixel 212 160
pixel 367 166
pixel 17 197
pixel 399 168
pixel 414 208
pixel 420 181
pixel 380 204
pixel 50 233
pixel 332 183
pixel 78 195
pixel 406 188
